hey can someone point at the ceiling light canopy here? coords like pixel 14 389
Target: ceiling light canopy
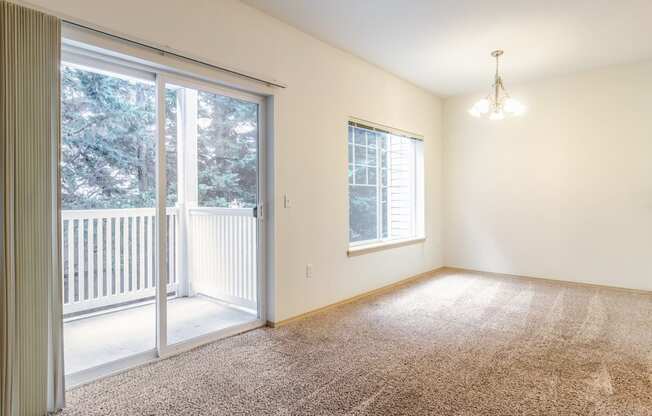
pixel 498 104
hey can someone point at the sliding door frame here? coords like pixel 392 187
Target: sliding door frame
pixel 164 349
pixel 161 218
pixel 101 52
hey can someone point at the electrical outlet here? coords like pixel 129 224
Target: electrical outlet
pixel 308 271
pixel 287 203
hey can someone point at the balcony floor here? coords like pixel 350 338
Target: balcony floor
pixel 102 338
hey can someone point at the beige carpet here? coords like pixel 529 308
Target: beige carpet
pixel 454 344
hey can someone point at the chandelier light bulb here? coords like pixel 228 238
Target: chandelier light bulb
pixel 483 106
pixel 513 106
pixel 498 104
pixel 480 108
pixel 497 115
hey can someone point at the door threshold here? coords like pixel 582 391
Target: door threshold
pixel 192 343
pixel 110 369
pixel 131 362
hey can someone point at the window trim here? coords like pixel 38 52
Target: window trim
pixel 366 246
pixel 370 247
pixel 359 122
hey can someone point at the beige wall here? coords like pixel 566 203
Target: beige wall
pixel 565 191
pixel 325 87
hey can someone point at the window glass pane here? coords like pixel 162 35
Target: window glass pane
pixel 371 139
pixel 227 130
pixel 361 155
pixel 108 135
pixel 360 137
pixel 384 212
pixel 371 156
pixel 351 173
pixel 362 213
pixel 371 176
pixel 400 196
pixel 361 175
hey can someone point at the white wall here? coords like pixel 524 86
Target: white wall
pixel 325 87
pixel 564 192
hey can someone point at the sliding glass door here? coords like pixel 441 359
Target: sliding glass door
pixel 161 224
pixel 108 212
pixel 212 138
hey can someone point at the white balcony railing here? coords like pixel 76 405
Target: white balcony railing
pixel 222 254
pixel 108 256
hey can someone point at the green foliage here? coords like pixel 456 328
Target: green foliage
pixel 108 160
pixel 108 141
pixel 227 151
pixel 363 204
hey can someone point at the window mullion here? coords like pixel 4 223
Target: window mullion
pixel 379 194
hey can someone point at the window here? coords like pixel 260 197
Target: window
pixel 225 145
pixel 108 135
pixel 385 185
pixel 227 150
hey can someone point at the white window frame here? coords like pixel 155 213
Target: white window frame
pixel 417 218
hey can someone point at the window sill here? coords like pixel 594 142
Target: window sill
pixel 370 248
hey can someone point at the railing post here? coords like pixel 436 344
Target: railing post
pixel 186 182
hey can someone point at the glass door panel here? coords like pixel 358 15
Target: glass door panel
pixel 108 158
pixel 212 169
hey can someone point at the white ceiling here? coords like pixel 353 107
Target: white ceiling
pixel 444 45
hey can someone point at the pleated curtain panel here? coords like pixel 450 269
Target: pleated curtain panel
pixel 31 345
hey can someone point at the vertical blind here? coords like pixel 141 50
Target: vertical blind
pixel 31 356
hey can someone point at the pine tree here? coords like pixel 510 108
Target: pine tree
pixel 109 144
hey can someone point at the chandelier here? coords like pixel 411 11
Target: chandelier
pixel 498 104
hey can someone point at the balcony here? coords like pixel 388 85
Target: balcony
pixel 109 281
